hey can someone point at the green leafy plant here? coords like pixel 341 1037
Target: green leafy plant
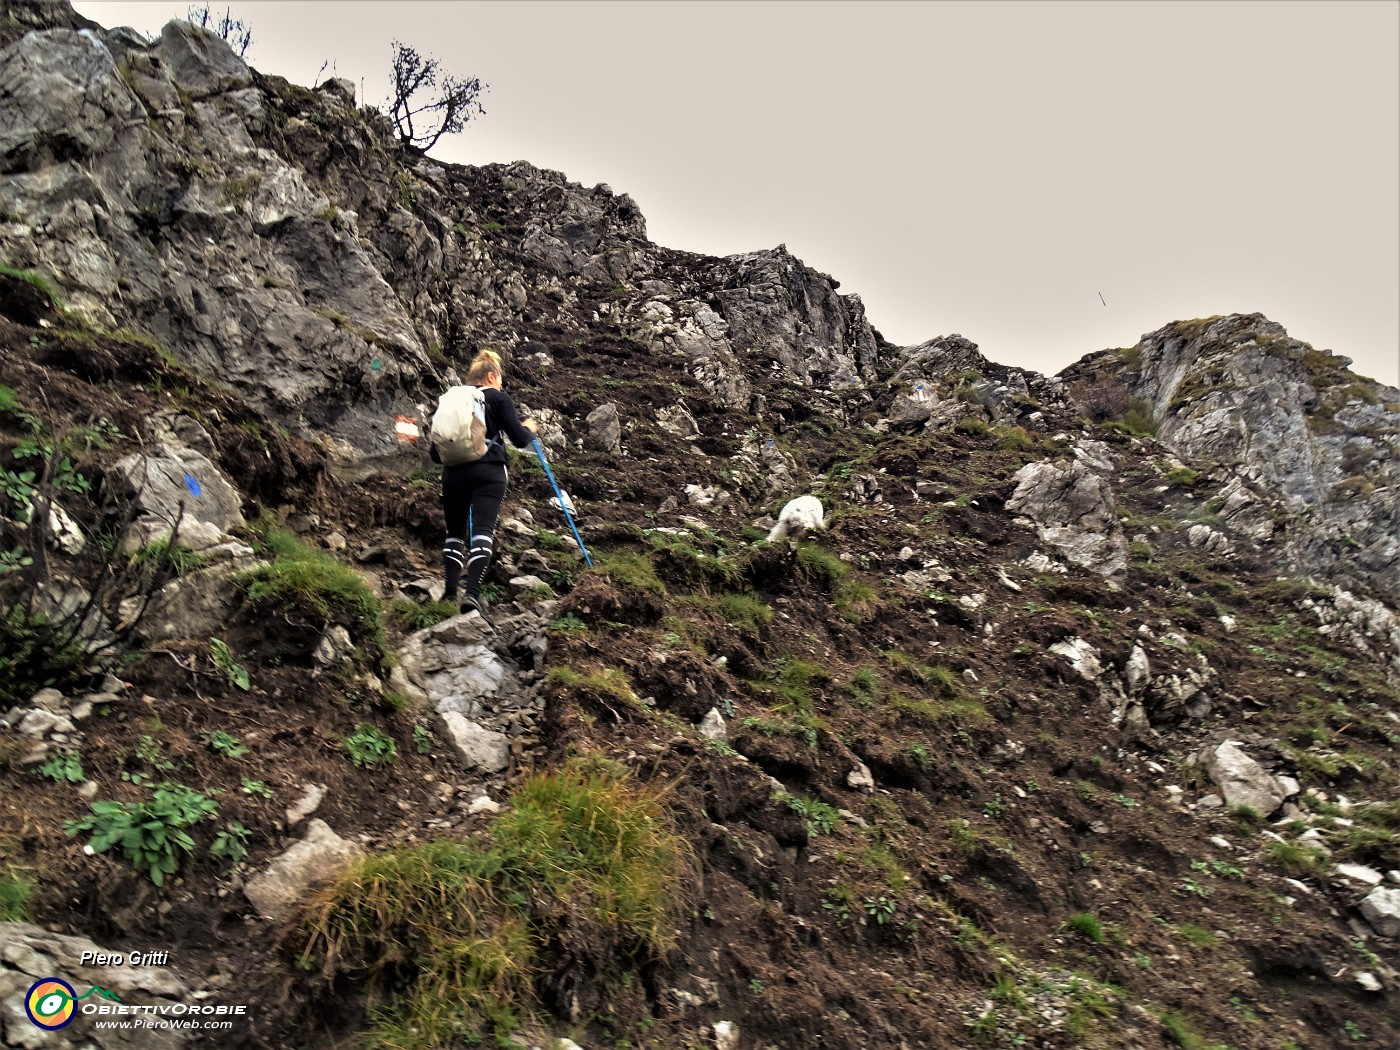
pixel 18 487
pixel 254 787
pixel 152 834
pixel 14 560
pixel 1192 886
pixel 568 624
pixel 148 751
pixel 367 746
pixel 881 908
pixel 64 767
pixel 224 661
pixel 838 902
pixel 226 744
pixel 822 819
pixel 231 844
pixel 422 739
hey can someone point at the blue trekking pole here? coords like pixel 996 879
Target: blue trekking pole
pixel 562 505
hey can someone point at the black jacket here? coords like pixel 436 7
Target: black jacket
pixel 501 418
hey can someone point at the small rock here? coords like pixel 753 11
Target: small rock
pixel 1368 981
pixel 712 726
pixel 1210 802
pixel 425 588
pixel 477 747
pixel 277 890
pixel 1083 657
pixel 48 700
pixel 860 778
pixel 483 804
pixel 1242 781
pixel 87 790
pixel 1313 839
pixel 335 542
pixel 1360 873
pixel 40 723
pixel 1221 842
pixel 726 1035
pixel 310 800
pixel 969 675
pixel 686 1000
pixel 334 649
pixel 1381 908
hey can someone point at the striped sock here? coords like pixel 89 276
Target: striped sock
pixel 454 553
pixel 477 562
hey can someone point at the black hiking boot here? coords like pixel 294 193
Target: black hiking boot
pixel 472 604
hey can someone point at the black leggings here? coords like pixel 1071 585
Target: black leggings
pixel 476 489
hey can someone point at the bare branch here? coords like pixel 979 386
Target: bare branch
pixel 448 111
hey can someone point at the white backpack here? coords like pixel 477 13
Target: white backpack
pixel 459 425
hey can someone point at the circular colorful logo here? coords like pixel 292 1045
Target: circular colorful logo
pixel 49 1003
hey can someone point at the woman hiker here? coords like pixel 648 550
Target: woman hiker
pixel 474 491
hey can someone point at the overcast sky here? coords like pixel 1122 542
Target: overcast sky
pixel 990 169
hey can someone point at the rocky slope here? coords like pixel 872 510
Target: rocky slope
pixel 1309 447
pixel 1076 728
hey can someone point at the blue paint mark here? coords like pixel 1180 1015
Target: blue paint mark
pixel 193 485
pixel 375 365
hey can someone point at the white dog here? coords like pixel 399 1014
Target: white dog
pixel 799 516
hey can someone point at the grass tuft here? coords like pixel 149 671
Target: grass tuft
pixel 15 894
pixel 301 575
pixel 409 616
pixel 1296 859
pixel 38 281
pixel 459 930
pixel 1087 925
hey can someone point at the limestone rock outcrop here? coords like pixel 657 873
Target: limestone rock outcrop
pixel 1292 424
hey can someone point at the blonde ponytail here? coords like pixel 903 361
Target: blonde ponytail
pixel 483 364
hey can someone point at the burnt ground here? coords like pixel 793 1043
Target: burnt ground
pixel 933 912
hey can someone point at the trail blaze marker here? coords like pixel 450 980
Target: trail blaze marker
pixel 193 486
pixel 406 427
